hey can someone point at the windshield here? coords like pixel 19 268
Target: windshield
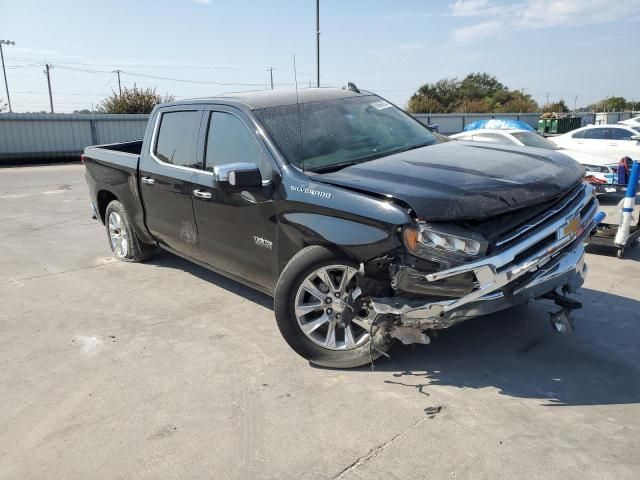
pixel 329 135
pixel 531 139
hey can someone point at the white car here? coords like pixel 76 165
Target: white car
pixel 632 122
pixel 599 167
pixel 611 141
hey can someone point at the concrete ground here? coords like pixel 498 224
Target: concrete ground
pixel 166 370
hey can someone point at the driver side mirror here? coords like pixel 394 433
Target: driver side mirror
pixel 238 175
pixel 635 137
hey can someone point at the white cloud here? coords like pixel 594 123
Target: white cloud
pixel 500 19
pixel 203 2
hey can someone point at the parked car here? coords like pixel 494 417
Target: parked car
pixel 612 141
pixel 348 211
pixel 601 168
pixel 631 122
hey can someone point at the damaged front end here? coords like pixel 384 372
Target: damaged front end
pixel 452 273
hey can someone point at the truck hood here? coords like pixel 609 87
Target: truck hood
pixel 463 180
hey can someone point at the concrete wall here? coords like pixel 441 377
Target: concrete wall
pixel 41 136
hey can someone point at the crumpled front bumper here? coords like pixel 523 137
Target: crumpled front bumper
pixel 506 279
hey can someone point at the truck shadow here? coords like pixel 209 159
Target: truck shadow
pixel 517 353
pixel 167 260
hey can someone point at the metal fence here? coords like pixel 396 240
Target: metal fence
pixel 42 136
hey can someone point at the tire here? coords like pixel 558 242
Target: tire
pixel 349 345
pixel 125 244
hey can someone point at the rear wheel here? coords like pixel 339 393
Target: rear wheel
pixel 316 312
pixel 123 241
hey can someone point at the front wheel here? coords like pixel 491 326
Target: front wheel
pixel 123 241
pixel 316 314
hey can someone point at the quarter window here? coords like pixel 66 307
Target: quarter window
pixel 579 134
pixel 230 141
pixel 177 138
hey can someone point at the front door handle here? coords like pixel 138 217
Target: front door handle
pixel 202 194
pixel 148 180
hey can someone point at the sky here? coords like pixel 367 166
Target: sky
pixel 193 48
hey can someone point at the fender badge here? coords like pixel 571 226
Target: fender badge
pixel 311 191
pixel 262 242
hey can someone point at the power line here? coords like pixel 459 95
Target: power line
pixel 170 79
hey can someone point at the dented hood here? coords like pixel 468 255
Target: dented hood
pixel 463 180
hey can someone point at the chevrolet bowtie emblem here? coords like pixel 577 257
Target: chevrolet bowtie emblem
pixel 572 226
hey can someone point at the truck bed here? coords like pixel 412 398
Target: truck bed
pixel 126 153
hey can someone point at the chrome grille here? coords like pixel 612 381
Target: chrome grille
pixel 579 195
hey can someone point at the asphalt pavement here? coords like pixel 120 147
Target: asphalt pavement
pixel 112 370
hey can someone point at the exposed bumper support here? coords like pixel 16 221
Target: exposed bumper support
pixel 502 282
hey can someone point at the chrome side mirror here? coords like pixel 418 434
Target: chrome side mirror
pixel 238 175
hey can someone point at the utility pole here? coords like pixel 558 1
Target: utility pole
pixel 119 85
pixel 4 71
pixel 318 43
pixel 271 74
pixel 47 68
pixel 575 104
pixel 547 98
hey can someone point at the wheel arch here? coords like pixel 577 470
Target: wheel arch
pixel 104 198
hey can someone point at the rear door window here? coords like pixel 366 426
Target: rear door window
pixel 177 138
pixel 596 134
pixel 229 140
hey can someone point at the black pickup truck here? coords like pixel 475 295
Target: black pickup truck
pixel 362 224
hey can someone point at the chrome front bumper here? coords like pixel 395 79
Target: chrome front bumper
pixel 505 280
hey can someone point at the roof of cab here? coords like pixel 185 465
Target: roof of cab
pixel 255 100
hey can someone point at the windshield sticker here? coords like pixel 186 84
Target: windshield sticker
pixel 310 191
pixel 380 105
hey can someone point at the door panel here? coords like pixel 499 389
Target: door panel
pixel 621 145
pixel 237 229
pixel 166 181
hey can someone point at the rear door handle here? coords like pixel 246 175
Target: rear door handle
pixel 148 180
pixel 202 194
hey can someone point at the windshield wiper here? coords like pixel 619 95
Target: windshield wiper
pixel 406 149
pixel 334 167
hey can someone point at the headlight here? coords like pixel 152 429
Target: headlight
pixel 596 168
pixel 427 241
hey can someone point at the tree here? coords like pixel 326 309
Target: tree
pixel 474 105
pixel 611 104
pixel 133 100
pixel 3 105
pixel 477 92
pixel 557 107
pixel 426 104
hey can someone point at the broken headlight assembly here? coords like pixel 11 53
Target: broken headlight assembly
pixel 436 241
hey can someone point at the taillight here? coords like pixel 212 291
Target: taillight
pixel 83 159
